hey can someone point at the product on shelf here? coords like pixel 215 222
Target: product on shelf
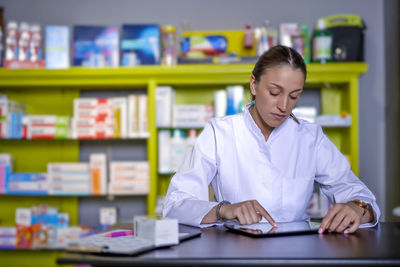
pixel 248 40
pixel 322 43
pixel 172 150
pixel 266 37
pixel 137 116
pixel 69 178
pixel 35 46
pixel 1 42
pixel 47 126
pixel 120 114
pixel 8 237
pixel 108 217
pixel 234 99
pixel 44 227
pixel 164 151
pixel 295 35
pixel 98 169
pixel 178 149
pixel 93 118
pixel 11 117
pixel 332 120
pixel 308 113
pixel 191 116
pixel 27 184
pixel 11 52
pixel 347 36
pixel 200 46
pixel 57 47
pixel 129 177
pixel 23 46
pixel 140 45
pixel 115 117
pixel 6 167
pixel 169 55
pixel 96 46
pixel 165 100
pixel 220 103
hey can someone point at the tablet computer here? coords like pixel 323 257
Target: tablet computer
pixel 266 229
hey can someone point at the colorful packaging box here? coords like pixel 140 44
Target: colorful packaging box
pixel 295 35
pixel 57 47
pixel 98 170
pixel 140 45
pixel 11 117
pixel 69 178
pixel 108 217
pixel 96 46
pixel 6 167
pixel 27 184
pixel 47 126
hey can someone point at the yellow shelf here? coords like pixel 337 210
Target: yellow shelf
pixel 52 92
pixel 38 86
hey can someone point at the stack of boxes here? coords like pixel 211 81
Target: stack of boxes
pixel 43 227
pixel 47 126
pixel 6 167
pixel 116 117
pixel 93 118
pixel 11 116
pixel 8 237
pixel 27 184
pixel 81 178
pixel 69 178
pixel 129 177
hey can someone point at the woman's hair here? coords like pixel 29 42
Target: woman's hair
pixel 277 56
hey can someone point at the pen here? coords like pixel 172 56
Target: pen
pixel 119 233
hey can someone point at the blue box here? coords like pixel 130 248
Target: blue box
pixel 140 45
pixel 96 46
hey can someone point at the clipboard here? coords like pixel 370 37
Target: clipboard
pixel 122 245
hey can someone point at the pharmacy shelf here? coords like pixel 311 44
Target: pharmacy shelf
pixel 54 90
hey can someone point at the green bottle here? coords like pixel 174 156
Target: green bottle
pixel 322 43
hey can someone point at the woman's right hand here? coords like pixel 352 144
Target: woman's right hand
pixel 246 212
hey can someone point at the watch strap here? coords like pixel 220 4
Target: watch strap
pixel 219 218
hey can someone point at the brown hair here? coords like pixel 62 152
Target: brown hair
pixel 277 56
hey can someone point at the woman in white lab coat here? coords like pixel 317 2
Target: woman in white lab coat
pixel 262 163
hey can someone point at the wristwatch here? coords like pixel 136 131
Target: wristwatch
pixel 219 218
pixel 361 204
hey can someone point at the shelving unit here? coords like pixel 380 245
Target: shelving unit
pixel 53 91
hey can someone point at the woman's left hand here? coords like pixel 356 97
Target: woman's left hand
pixel 339 218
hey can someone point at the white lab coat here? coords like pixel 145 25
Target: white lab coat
pixel 231 153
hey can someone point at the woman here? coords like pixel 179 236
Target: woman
pixel 262 163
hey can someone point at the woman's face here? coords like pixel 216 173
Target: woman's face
pixel 277 93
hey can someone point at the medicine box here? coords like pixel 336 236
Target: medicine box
pixel 140 45
pixel 96 46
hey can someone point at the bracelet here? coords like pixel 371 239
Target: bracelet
pixel 219 218
pixel 362 205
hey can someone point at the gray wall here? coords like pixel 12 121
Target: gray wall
pixel 233 14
